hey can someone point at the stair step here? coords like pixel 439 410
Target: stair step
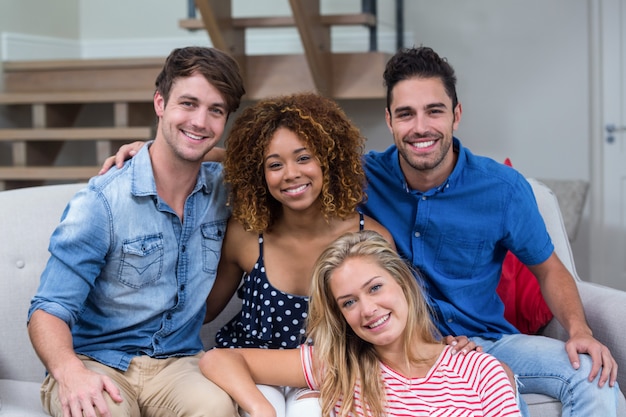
pixel 365 19
pixel 76 133
pixel 82 75
pixel 47 173
pixel 65 97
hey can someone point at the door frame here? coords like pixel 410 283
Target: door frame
pixel 598 270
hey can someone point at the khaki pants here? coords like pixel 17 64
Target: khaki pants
pixel 172 387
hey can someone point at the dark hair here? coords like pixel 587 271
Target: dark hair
pixel 219 69
pixel 420 62
pixel 328 134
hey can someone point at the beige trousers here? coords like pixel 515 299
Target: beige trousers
pixel 172 387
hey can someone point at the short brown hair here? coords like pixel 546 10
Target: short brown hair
pixel 219 69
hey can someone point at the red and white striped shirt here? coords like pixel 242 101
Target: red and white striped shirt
pixel 461 385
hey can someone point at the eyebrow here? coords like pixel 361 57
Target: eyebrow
pixel 195 99
pixel 275 155
pixel 427 107
pixel 365 284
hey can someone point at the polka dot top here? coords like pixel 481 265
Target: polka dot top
pixel 269 318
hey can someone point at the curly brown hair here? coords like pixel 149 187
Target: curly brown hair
pixel 326 132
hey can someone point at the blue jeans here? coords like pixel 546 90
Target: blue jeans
pixel 542 366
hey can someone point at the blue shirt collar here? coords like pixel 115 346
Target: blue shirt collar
pixel 143 183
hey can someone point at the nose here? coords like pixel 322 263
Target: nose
pixel 292 170
pixel 368 307
pixel 199 119
pixel 421 124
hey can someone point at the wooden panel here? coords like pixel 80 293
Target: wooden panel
pixel 315 39
pixel 60 97
pixel 75 133
pixel 357 19
pixel 81 79
pixel 354 75
pixel 217 19
pixel 47 173
pixel 359 75
pixel 272 75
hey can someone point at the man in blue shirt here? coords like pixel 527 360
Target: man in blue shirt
pixel 116 319
pixel 454 215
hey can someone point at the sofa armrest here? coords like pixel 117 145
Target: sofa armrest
pixel 606 315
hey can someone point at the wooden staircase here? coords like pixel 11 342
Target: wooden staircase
pixel 56 104
pixel 102 103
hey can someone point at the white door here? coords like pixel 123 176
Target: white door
pixel 609 143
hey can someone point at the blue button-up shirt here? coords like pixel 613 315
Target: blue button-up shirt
pixel 126 274
pixel 458 233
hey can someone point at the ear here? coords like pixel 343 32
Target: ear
pixel 458 110
pixel 159 104
pixel 388 119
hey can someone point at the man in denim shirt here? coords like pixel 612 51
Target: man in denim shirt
pixel 116 319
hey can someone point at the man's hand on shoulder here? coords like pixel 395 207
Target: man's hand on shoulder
pixel 123 153
pixel 461 344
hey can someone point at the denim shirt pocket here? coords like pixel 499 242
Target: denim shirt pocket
pixel 142 260
pixel 458 258
pixel 212 237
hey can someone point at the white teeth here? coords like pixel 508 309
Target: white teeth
pixel 423 144
pixel 379 322
pixel 296 190
pixel 192 136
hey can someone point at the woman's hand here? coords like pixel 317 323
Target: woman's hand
pixel 123 153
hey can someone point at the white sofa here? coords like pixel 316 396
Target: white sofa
pixel 28 216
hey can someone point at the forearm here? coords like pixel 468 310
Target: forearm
pixel 229 370
pixel 561 294
pixel 52 340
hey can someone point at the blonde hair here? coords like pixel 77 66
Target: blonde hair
pixel 343 358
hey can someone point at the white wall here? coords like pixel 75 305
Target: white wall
pixel 522 66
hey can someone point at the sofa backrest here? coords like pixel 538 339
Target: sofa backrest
pixel 27 218
pixel 29 215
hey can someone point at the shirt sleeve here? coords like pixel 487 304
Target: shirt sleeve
pixel 306 354
pixel 495 389
pixel 527 235
pixel 78 248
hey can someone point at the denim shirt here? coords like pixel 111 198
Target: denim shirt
pixel 457 234
pixel 126 275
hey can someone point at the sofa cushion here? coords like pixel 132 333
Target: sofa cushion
pixel 20 399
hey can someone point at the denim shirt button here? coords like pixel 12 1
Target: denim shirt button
pixel 182 287
pixel 169 316
pixel 184 248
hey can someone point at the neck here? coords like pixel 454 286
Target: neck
pixel 174 178
pixel 426 179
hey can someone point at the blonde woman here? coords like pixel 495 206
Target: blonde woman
pixel 373 348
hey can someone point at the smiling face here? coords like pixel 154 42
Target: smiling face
pixel 371 301
pixel 422 121
pixel 292 173
pixel 193 119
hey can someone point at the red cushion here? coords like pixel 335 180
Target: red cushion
pixel 524 306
